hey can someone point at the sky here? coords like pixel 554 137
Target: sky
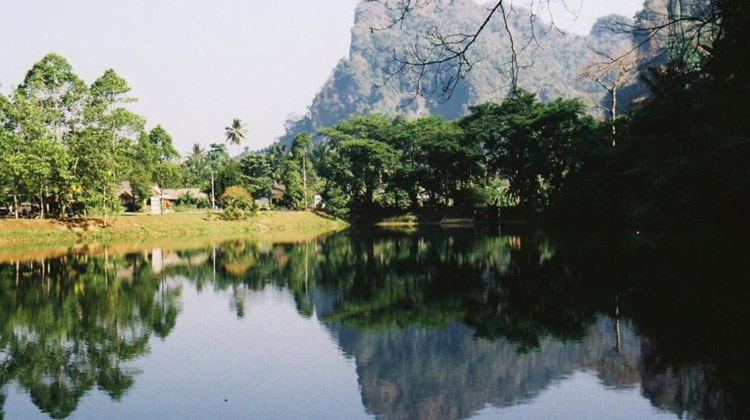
pixel 194 65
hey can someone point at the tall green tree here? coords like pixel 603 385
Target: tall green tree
pixel 166 173
pixel 55 97
pixel 113 130
pixel 256 173
pixel 13 154
pixel 298 172
pixel 195 169
pixel 361 158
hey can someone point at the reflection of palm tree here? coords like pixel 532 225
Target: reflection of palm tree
pixel 235 133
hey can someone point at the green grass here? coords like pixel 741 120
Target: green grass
pixel 15 233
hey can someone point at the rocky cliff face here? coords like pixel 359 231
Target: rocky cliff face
pixel 359 85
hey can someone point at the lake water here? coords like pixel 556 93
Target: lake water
pixel 395 324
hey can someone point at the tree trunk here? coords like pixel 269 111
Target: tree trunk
pixel 304 179
pixel 369 196
pixel 617 323
pixel 414 198
pixel 213 196
pixel 62 206
pixel 46 203
pixel 613 116
pixel 104 206
pixel 41 202
pixel 15 200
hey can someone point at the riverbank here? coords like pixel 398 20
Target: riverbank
pixel 25 232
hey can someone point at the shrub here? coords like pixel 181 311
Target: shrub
pixel 187 201
pixel 238 204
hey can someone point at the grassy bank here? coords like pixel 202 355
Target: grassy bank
pixel 286 225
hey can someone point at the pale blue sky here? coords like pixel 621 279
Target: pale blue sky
pixel 194 65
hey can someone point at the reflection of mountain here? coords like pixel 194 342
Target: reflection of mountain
pixel 426 373
pixel 439 323
pixel 409 308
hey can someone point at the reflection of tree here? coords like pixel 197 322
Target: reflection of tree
pixel 72 323
pixel 529 289
pixel 440 323
pixel 381 291
pixel 432 279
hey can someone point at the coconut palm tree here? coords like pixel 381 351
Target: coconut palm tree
pixel 198 152
pixel 235 133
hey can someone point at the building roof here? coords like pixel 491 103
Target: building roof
pixel 168 193
pixel 175 193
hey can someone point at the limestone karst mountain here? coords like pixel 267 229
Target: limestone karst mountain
pixel 551 66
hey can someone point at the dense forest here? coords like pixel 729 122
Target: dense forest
pixel 678 156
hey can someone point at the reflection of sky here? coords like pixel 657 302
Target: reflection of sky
pixel 273 363
pixel 581 396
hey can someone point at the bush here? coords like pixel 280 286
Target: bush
pixel 232 214
pixel 187 201
pixel 238 204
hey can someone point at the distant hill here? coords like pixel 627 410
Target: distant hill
pixel 552 69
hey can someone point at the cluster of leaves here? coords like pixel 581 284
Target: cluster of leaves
pixel 188 201
pixel 67 146
pixel 520 151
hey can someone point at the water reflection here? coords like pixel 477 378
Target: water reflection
pixel 69 324
pixel 440 324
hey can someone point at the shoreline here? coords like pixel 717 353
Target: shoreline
pixel 287 225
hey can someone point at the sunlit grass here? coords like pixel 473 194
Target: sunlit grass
pixel 280 226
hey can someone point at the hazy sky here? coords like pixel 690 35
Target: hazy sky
pixel 194 65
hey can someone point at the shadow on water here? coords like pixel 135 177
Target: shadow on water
pixel 440 323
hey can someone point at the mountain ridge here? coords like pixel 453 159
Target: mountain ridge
pixel 551 67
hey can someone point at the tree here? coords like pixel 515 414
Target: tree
pixel 256 172
pixel 529 143
pixel 51 100
pixel 195 171
pixel 165 172
pixel 277 155
pixel 444 160
pixel 237 202
pixel 13 153
pixel 298 169
pixel 361 158
pixel 113 128
pixel 612 72
pixel 235 133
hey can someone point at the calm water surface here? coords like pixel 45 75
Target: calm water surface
pixel 424 324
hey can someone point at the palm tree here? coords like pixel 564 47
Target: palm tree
pixel 235 133
pixel 277 155
pixel 198 152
